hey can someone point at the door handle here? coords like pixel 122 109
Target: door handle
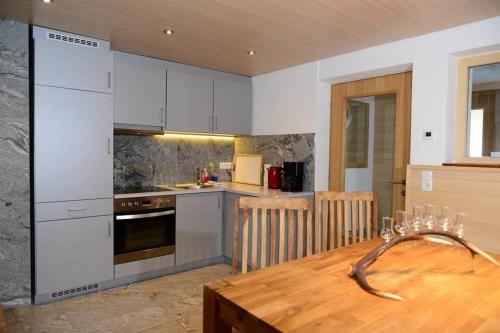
pixel 109 229
pixel 109 146
pixel 109 80
pixel 216 122
pixel 161 115
pixel 403 182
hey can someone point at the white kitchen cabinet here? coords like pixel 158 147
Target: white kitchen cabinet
pixel 232 106
pixel 72 61
pixel 140 91
pixel 189 102
pixel 73 253
pixel 73 144
pixel 198 227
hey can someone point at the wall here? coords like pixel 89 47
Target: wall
pixel 15 277
pixel 473 191
pixel 149 160
pixel 277 149
pixel 283 101
pixel 431 57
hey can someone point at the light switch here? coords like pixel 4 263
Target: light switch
pixel 225 165
pixel 428 135
pixel 426 181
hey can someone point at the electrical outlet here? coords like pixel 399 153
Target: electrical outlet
pixel 225 165
pixel 426 181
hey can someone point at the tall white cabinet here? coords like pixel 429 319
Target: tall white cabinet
pixel 73 164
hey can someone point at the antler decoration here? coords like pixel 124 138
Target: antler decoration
pixel 358 270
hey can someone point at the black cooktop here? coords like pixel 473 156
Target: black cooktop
pixel 138 189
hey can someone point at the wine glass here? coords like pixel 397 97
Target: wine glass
pixel 418 218
pixel 386 233
pixel 402 226
pixel 459 224
pixel 447 219
pixel 430 216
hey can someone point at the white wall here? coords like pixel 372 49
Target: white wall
pixel 284 102
pixel 431 57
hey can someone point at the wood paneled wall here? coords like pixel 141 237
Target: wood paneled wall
pixel 472 190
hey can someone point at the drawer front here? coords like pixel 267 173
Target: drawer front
pixel 72 209
pixel 144 266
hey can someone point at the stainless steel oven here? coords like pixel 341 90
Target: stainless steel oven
pixel 144 227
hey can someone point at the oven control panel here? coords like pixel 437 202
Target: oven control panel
pixel 144 203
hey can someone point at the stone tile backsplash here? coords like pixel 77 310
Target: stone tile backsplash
pixel 277 149
pixel 149 160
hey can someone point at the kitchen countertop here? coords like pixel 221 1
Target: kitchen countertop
pixel 237 188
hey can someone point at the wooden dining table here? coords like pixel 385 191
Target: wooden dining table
pixel 444 290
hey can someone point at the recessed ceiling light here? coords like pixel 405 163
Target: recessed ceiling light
pixel 251 52
pixel 47 1
pixel 168 32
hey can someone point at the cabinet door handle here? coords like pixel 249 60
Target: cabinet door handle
pixel 109 80
pixel 77 209
pixel 109 229
pixel 109 146
pixel 219 201
pixel 216 122
pixel 210 123
pixel 162 114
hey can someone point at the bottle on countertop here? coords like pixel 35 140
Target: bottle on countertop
pixel 266 174
pixel 205 175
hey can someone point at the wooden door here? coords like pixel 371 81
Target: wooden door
pixel 398 84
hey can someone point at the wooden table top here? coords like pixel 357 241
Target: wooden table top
pixel 315 294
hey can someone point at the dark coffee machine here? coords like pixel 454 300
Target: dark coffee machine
pixel 292 177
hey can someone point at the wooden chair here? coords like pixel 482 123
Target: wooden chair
pixel 344 218
pixel 281 219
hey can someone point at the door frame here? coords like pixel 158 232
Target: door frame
pixel 399 84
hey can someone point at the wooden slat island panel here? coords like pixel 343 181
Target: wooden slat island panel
pixel 315 294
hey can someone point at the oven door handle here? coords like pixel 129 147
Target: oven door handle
pixel 144 216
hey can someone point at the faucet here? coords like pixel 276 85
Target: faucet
pixel 199 176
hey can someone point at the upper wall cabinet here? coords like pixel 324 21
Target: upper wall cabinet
pixel 189 102
pixel 232 107
pixel 72 61
pixel 140 91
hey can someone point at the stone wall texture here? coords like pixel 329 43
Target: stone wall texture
pixel 153 160
pixel 277 149
pixel 14 165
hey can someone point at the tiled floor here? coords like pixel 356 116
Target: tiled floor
pixel 169 304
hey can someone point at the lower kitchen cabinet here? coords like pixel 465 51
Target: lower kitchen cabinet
pixel 227 226
pixel 198 227
pixel 73 253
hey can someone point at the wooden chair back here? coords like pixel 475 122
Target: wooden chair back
pixel 281 230
pixel 344 218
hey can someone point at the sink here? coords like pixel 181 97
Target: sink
pixel 193 186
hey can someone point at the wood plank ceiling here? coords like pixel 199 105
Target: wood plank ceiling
pixel 218 33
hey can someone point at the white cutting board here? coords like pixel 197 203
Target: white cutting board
pixel 247 169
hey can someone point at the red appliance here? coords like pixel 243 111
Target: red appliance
pixel 274 177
